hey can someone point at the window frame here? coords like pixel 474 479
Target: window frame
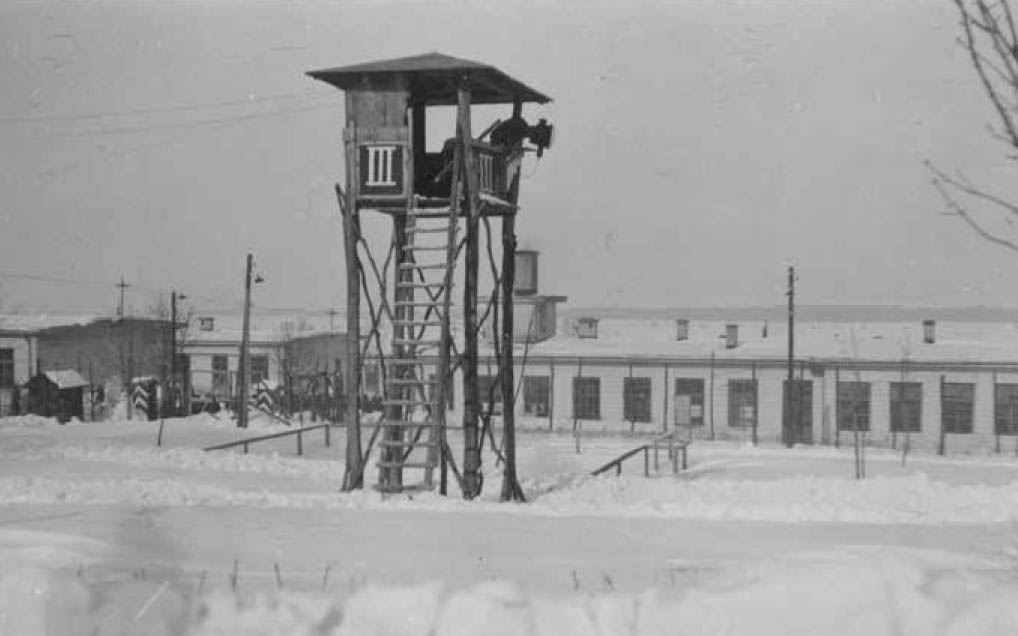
pixel 1011 427
pixel 637 398
pixel 8 378
pixel 957 414
pixel 586 398
pixel 254 379
pixel 863 405
pixel 695 389
pixel 537 392
pixel 743 387
pixel 898 402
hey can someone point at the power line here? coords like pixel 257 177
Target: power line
pixel 32 119
pixel 257 308
pixel 195 124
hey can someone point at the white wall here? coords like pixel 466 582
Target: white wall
pixel 201 362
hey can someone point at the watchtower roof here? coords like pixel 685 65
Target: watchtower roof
pixel 433 79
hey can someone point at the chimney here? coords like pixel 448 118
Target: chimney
pixel 586 328
pixel 526 273
pixel 929 331
pixel 731 335
pixel 681 329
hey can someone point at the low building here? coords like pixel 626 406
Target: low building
pixel 295 354
pixel 17 364
pixel 59 394
pixel 950 385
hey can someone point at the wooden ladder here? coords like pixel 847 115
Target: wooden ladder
pixel 414 407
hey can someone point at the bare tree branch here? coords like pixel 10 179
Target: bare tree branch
pixel 959 211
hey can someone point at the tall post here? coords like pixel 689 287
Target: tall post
pixel 511 489
pixel 353 476
pixel 120 307
pixel 173 352
pixel 471 396
pixel 790 406
pixel 173 336
pixel 243 381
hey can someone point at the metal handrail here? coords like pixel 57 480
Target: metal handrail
pixel 670 441
pixel 299 432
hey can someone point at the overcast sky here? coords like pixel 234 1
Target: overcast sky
pixel 700 146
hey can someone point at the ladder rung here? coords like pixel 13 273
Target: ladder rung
pixel 425 266
pixel 406 403
pixel 405 424
pixel 398 443
pixel 426 230
pixel 407 464
pixel 419 303
pixel 426 248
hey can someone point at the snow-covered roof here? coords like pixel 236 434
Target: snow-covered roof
pixel 66 378
pixel 270 329
pixel 28 323
pixel 954 342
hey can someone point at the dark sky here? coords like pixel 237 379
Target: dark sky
pixel 700 147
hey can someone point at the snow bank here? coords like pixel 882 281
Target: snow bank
pixel 858 592
pixel 190 459
pixel 911 499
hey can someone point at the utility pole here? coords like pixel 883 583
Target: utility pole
pixel 122 286
pixel 332 320
pixel 174 297
pixel 242 371
pixel 790 406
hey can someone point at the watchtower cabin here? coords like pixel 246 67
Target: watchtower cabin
pixel 437 201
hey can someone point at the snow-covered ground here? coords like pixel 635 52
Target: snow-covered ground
pixel 103 532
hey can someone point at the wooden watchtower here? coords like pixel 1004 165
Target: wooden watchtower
pixel 437 203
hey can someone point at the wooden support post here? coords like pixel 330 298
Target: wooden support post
pixel 629 398
pixel 511 490
pixel 664 410
pixel 471 395
pixel 756 408
pixel 353 475
pixel 943 430
pixel 711 410
pixel 837 407
pixel 551 396
pixel 443 374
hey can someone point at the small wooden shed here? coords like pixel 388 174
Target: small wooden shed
pixel 59 394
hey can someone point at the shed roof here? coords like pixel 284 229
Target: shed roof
pixel 66 378
pixel 433 79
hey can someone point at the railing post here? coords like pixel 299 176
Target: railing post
pixel 657 464
pixel 300 442
pixel 618 468
pixel 675 461
pixel 328 436
pixel 646 462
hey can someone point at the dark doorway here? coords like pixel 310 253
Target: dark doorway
pixel 797 419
